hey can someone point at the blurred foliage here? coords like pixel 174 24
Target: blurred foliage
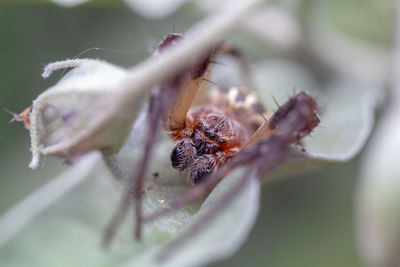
pixel 373 22
pixel 307 221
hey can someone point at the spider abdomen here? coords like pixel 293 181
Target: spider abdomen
pixel 240 104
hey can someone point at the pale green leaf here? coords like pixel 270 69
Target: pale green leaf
pixel 69 223
pixel 343 40
pixel 346 107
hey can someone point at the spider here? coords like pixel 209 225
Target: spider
pixel 211 140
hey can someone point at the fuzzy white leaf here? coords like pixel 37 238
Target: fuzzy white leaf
pixel 86 110
pixel 70 3
pixel 155 9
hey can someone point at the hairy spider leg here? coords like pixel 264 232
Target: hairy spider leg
pixel 190 81
pixel 269 128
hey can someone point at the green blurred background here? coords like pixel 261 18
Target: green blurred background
pixel 306 221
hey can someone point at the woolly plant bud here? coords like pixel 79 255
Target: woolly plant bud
pixel 88 109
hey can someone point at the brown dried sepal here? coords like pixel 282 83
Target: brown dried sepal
pixel 24 117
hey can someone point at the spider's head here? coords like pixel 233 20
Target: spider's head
pixel 183 154
pixel 203 166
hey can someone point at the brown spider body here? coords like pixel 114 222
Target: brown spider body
pixel 209 138
pixel 216 132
